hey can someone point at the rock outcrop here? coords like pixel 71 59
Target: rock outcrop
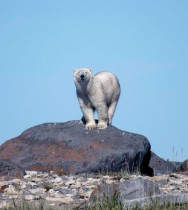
pixel 142 191
pixel 68 148
pixel 160 166
pixel 184 166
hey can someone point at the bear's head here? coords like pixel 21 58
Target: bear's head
pixel 82 75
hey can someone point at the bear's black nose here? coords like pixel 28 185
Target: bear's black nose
pixel 82 76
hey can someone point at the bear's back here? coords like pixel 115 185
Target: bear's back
pixel 110 85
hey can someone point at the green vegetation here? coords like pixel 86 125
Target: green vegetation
pixel 106 204
pixel 101 204
pixel 27 206
pixel 116 205
pixel 164 207
pixel 47 186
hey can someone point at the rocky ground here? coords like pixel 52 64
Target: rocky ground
pixel 68 192
pixel 81 166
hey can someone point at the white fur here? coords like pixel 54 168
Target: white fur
pixel 100 92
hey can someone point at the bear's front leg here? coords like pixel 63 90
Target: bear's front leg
pixel 88 112
pixel 88 116
pixel 103 117
pixel 90 125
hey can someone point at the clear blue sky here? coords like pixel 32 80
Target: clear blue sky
pixel 145 43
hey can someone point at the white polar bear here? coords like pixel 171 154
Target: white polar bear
pixel 98 92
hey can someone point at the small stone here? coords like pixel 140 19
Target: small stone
pixel 50 191
pixel 10 197
pixel 36 180
pixel 106 177
pixel 15 181
pixel 65 190
pixel 173 175
pixel 3 183
pixel 91 187
pixel 32 173
pixel 53 199
pixel 70 182
pixel 81 191
pixel 10 190
pixel 27 177
pixel 74 191
pixel 31 197
pixel 51 204
pixel 58 195
pixel 32 184
pixel 67 200
pixel 76 185
pixel 37 191
pixel 43 175
pixel 57 180
pixel 109 181
pixel 122 180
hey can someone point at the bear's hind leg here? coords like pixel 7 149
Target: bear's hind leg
pixel 111 111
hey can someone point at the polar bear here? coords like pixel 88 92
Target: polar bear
pixel 98 92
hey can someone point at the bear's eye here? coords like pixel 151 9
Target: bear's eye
pixel 85 72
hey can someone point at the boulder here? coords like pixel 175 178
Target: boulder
pixel 137 188
pixel 160 166
pixel 184 166
pixel 159 191
pixel 69 148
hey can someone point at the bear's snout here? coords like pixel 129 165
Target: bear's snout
pixel 82 76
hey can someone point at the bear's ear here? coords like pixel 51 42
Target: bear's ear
pixel 75 70
pixel 91 71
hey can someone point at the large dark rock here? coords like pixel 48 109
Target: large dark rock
pixel 70 148
pixel 160 166
pixel 10 169
pixel 184 166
